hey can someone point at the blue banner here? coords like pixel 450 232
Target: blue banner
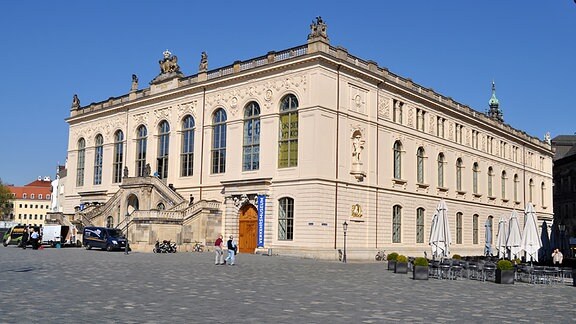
pixel 261 215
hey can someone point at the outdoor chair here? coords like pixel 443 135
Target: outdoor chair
pixel 433 269
pixel 537 275
pixel 456 269
pixel 489 271
pixel 444 269
pixel 551 275
pixel 472 270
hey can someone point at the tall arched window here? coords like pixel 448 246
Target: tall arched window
pixel 458 228
pixel 420 165
pixel 490 181
pixel 80 162
pixel 516 184
pixel 118 155
pixel 141 142
pixel 163 149
pixel 251 148
pixel 475 171
pixel 396 224
pixel 98 156
pixel 459 167
pixel 219 141
pixel 187 155
pixel 441 170
pixel 420 225
pixel 397 160
pixel 286 219
pixel 288 141
pixel 475 229
pixel 531 191
pixel 503 184
pixel 543 194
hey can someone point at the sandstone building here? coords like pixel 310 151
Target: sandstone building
pixel 282 149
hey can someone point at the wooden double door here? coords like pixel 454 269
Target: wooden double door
pixel 248 229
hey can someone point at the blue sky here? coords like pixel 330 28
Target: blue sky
pixel 51 50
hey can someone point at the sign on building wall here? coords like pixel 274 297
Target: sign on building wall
pixel 261 215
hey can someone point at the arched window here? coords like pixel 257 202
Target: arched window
pixel 459 167
pixel 31 196
pixel 490 181
pixel 109 222
pixel 420 225
pixel 543 194
pixel 475 171
pixel 40 195
pixel 160 206
pixel 475 229
pixel 396 224
pixel 163 149
pixel 516 184
pixel 420 165
pixel 24 196
pixel 458 228
pixel 503 184
pixel 288 142
pixel 251 148
pixel 397 160
pixel 187 155
pixel 219 141
pixel 531 191
pixel 441 170
pixel 286 219
pixel 490 227
pixel 141 143
pixel 80 162
pixel 118 155
pixel 98 158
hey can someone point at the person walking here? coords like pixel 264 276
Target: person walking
pixel 232 249
pixel 218 252
pixel 24 240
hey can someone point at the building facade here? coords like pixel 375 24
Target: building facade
pixel 31 202
pixel 565 188
pixel 282 149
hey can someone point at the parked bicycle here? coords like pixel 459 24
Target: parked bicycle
pixel 198 247
pixel 380 255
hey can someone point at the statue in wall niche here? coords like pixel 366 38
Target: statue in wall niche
pixel 169 63
pixel 147 170
pixel 134 82
pixel 203 67
pixel 357 147
pixel 125 172
pixel 75 102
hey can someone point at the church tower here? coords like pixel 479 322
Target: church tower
pixel 494 112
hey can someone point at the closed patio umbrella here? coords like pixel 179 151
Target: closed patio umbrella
pixel 502 237
pixel 554 236
pixel 440 238
pixel 531 242
pixel 545 252
pixel 514 236
pixel 488 237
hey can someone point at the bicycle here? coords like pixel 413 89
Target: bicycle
pixel 380 255
pixel 198 247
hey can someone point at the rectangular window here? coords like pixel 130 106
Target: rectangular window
pixel 459 228
pixel 251 149
pixel 396 224
pixel 475 229
pixel 288 143
pixel 118 158
pixel 286 219
pixel 420 225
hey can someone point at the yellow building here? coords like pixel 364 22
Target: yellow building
pixel 31 202
pixel 282 149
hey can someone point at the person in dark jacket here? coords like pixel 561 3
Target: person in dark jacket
pixel 24 240
pixel 232 250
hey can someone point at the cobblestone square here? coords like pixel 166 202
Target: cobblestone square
pixel 73 285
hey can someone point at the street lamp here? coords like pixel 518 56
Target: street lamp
pixel 127 224
pixel 345 227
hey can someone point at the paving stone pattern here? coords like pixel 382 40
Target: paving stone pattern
pixel 73 285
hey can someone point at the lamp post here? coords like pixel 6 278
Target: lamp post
pixel 345 228
pixel 127 224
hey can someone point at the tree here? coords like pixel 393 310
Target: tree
pixel 5 199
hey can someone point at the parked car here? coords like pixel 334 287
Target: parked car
pixel 14 235
pixel 108 239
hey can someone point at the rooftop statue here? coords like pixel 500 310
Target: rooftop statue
pixel 203 63
pixel 134 82
pixel 75 102
pixel 318 29
pixel 169 63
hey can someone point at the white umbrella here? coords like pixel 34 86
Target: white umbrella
pixel 440 238
pixel 502 237
pixel 531 242
pixel 514 236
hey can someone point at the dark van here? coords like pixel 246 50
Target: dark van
pixel 104 238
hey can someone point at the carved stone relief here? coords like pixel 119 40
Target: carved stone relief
pixel 187 108
pixel 410 116
pixel 384 107
pixel 162 114
pixel 358 97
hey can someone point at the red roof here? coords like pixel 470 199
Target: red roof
pixel 35 188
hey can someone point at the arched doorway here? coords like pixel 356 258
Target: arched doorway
pixel 132 203
pixel 248 229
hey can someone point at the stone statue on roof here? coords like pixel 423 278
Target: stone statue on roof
pixel 548 138
pixel 203 67
pixel 169 63
pixel 134 82
pixel 75 102
pixel 318 29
